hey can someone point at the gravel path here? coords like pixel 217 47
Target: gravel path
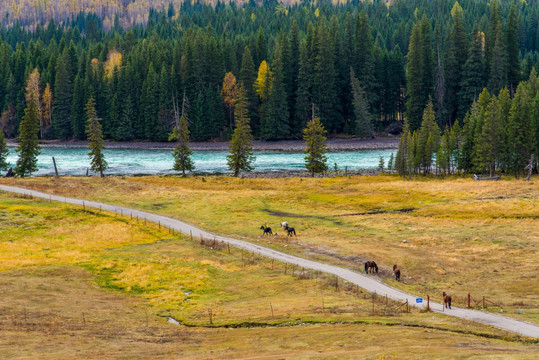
pixel 366 282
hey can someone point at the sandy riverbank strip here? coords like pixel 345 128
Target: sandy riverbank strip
pixel 284 145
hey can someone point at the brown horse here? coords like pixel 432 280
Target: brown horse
pixel 397 272
pixel 372 266
pixel 447 300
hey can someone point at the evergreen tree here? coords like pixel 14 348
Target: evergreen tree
pixel 95 139
pixel 261 47
pixel 513 51
pixel 182 153
pixel 316 148
pixel 149 98
pixel 363 61
pixel 504 107
pixel 457 53
pixel 498 64
pixel 488 141
pixel 293 70
pixel 199 118
pixel 303 92
pixel 323 77
pixel 28 147
pixel 428 138
pixel 535 129
pixel 472 76
pixel 466 155
pixel 241 148
pixel 363 117
pixel 77 109
pixel 63 95
pixel 427 63
pixel 4 152
pixel 439 82
pixel 414 78
pixel 124 125
pixel 274 122
pixel 490 38
pixel 390 162
pixel 520 130
pixel 248 77
pixel 401 160
pixel 381 164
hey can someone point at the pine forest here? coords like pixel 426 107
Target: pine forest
pixel 464 70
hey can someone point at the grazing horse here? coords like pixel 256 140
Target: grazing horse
pixel 290 230
pixel 372 266
pixel 447 300
pixel 284 225
pixel 397 272
pixel 267 230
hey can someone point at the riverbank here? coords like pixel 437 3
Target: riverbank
pixel 284 145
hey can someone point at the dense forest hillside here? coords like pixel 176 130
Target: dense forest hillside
pixel 364 66
pixel 33 12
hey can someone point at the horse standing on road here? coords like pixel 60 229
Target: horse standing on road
pixel 397 272
pixel 447 300
pixel 267 230
pixel 371 265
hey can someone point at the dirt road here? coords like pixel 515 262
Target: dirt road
pixel 366 282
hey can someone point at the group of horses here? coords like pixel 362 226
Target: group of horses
pixel 290 231
pixel 372 267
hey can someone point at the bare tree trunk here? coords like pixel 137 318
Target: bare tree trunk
pixel 530 168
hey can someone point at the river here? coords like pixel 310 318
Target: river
pixel 75 161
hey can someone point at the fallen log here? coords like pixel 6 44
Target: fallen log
pixel 479 177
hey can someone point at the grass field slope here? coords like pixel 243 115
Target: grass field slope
pixel 458 236
pixel 85 283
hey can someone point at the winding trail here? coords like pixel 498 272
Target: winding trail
pixel 363 281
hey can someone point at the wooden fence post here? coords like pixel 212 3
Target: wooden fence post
pixel 55 168
pixel 469 300
pixel 428 302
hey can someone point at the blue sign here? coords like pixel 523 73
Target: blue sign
pixel 419 300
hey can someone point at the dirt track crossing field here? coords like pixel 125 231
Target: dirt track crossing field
pixel 366 282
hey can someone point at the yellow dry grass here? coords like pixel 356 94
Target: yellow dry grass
pixel 85 284
pixel 461 236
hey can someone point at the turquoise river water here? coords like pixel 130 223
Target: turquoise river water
pixel 75 161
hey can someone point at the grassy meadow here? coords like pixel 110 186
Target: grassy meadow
pixel 84 283
pixel 461 235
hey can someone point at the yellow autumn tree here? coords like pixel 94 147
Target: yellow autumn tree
pixel 263 80
pixel 46 115
pixel 95 65
pixel 32 90
pixel 229 93
pixel 114 60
